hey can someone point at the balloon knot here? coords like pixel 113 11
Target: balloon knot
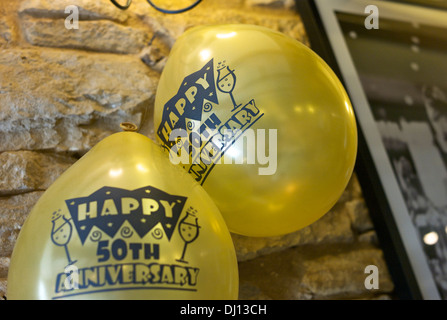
pixel 128 126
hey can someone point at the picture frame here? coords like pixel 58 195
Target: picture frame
pixel 391 57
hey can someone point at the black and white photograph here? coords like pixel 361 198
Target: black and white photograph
pixel 401 70
pixel 392 57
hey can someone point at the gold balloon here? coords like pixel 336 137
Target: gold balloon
pixel 261 122
pixel 124 223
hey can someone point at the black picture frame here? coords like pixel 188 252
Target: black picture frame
pixel 400 235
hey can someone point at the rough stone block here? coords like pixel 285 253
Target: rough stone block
pixel 314 272
pixel 4 265
pixel 359 214
pixel 69 100
pixel 334 227
pixel 100 36
pixel 5 31
pixel 88 9
pixel 25 171
pixel 3 286
pixel 13 212
pixel 280 4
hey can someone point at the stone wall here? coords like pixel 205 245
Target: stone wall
pixel 62 91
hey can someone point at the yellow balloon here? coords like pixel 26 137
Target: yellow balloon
pixel 261 122
pixel 124 223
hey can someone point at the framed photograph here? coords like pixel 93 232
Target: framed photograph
pixel 392 58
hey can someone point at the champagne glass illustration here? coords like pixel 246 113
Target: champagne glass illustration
pixel 226 81
pixel 61 234
pixel 189 231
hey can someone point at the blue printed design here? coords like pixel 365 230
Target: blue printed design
pixel 129 276
pixel 193 110
pixel 61 232
pixel 188 103
pixel 108 208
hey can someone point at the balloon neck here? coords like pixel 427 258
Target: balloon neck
pixel 129 127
